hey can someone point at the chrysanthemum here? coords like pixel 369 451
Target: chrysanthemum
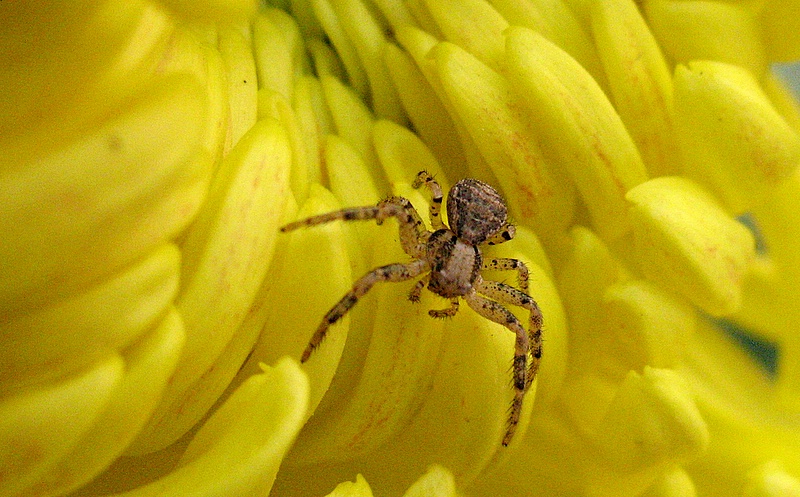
pixel 152 315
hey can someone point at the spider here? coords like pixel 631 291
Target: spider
pixel 450 262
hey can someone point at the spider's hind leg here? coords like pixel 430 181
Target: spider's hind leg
pixel 494 311
pixel 510 295
pixel 391 272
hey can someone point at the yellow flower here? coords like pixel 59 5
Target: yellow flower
pixel 152 315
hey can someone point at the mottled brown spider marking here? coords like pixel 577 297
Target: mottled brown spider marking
pixel 450 263
pixel 475 211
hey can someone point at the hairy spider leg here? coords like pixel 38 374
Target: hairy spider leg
pixel 390 272
pixel 416 292
pixel 494 311
pixel 435 209
pixel 503 264
pixel 351 214
pixel 445 313
pixel 510 295
pixel 413 235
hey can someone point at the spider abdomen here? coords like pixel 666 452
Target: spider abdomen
pixel 454 264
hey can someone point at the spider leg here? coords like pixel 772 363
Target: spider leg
pixel 503 264
pixel 424 177
pixel 391 272
pixel 416 292
pixel 494 311
pixel 351 214
pixel 510 295
pixel 445 313
pixel 506 233
pixel 413 234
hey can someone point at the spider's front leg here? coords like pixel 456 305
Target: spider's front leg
pixel 391 272
pixel 425 178
pixel 503 264
pixel 413 235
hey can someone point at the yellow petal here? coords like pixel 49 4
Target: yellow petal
pixel 213 10
pixel 402 352
pixel 239 449
pixel 418 44
pixel 41 426
pixel 645 326
pixel 51 342
pixel 587 267
pixel 748 423
pixel 473 25
pixel 674 482
pixel 367 36
pixel 279 51
pixel 640 81
pixel 781 33
pixel 578 127
pixel 225 254
pixel 537 196
pixel 403 154
pixel 771 480
pixel 731 136
pixel 544 291
pixel 652 421
pixel 314 260
pixel 148 366
pixel 240 69
pixel 326 15
pixel 437 482
pixel 429 116
pixel 53 100
pixel 353 122
pixel 358 488
pixel 123 188
pixel 554 20
pixel 314 121
pixel 780 93
pixel 273 105
pixel 686 242
pixel 772 292
pixel 189 53
pixel 723 31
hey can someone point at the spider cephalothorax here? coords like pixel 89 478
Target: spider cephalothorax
pixel 448 260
